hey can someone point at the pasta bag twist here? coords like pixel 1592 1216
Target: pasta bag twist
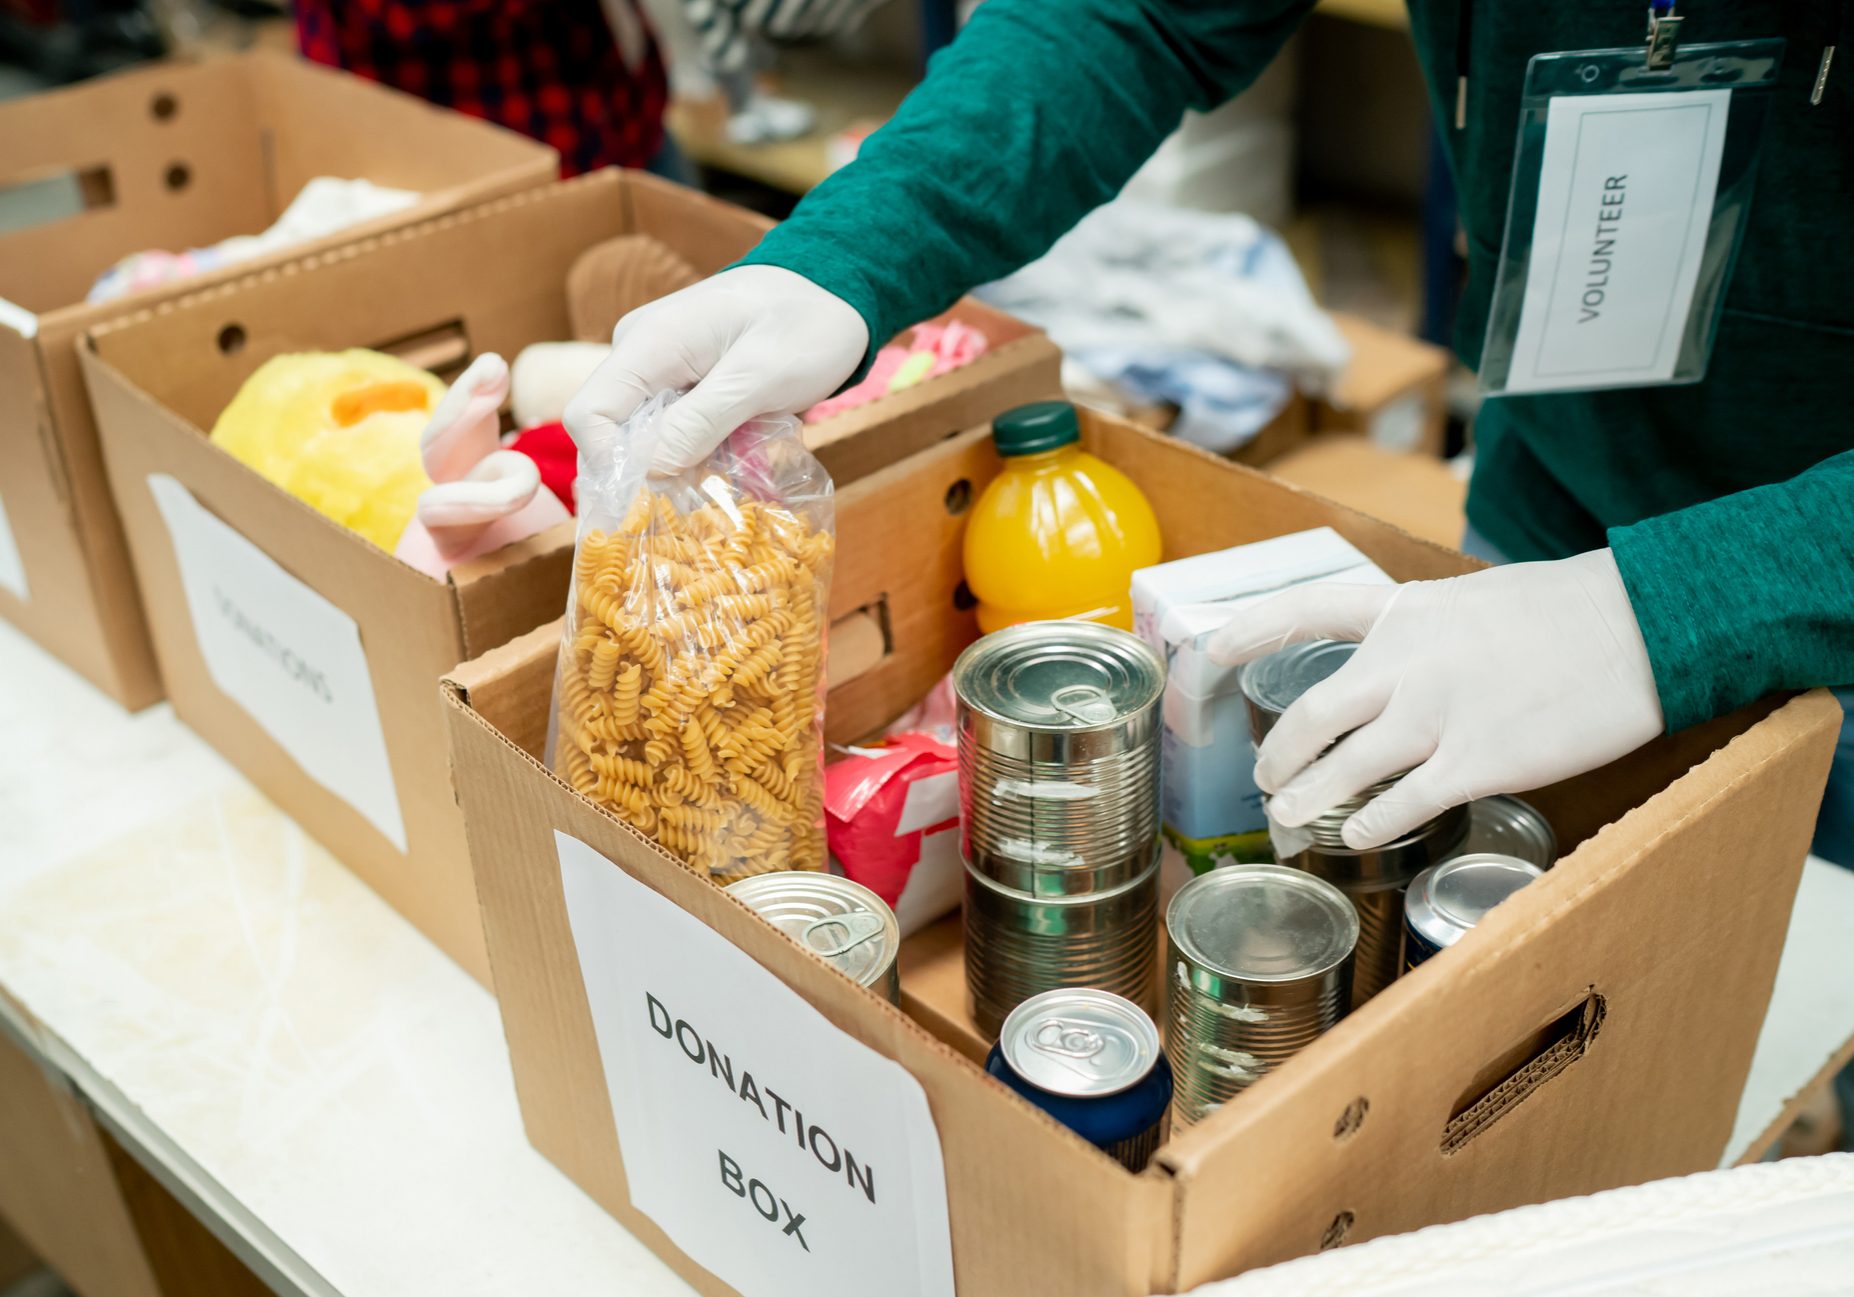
pixel 689 695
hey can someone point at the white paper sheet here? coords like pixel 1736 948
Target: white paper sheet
pixel 1626 195
pixel 12 571
pixel 288 656
pixel 779 1152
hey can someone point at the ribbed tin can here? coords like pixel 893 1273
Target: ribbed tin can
pixel 1271 684
pixel 1374 881
pixel 1059 813
pixel 1259 964
pixel 1508 826
pixel 1020 943
pixel 1091 1060
pixel 851 927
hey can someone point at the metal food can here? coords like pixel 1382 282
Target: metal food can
pixel 1374 881
pixel 1270 685
pixel 1059 813
pixel 1259 965
pixel 1058 743
pixel 1508 826
pixel 845 923
pixel 1020 943
pixel 1449 899
pixel 1090 1059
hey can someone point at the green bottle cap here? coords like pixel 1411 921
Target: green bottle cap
pixel 1032 429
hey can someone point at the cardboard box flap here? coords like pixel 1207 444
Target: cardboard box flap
pixel 512 687
pixel 1011 1171
pixel 193 353
pixel 501 595
pixel 321 122
pixel 164 157
pixel 1487 1068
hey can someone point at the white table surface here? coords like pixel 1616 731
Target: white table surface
pixel 328 1091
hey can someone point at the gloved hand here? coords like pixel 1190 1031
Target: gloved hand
pixel 1495 682
pixel 750 342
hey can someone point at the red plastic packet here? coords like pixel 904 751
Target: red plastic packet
pixel 891 816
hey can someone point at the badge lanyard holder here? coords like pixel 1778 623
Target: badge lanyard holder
pixel 1632 182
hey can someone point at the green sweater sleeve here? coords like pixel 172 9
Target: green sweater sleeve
pixel 1746 594
pixel 1040 111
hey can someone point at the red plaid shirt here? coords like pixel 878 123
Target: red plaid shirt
pixel 548 68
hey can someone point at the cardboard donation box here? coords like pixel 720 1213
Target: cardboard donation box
pixel 706 1079
pixel 309 655
pixel 170 158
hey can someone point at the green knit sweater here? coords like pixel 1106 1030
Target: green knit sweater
pixel 1729 504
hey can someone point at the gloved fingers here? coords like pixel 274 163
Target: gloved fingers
pixel 1387 746
pixel 631 375
pixel 502 484
pixel 1339 704
pixel 1412 801
pixel 1328 610
pixel 733 392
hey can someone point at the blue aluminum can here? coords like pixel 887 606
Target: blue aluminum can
pixel 1090 1059
pixel 1446 901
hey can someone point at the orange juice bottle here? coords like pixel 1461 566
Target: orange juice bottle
pixel 1058 533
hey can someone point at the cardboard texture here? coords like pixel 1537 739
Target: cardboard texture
pixel 160 376
pixel 58 1190
pixel 1394 391
pixel 175 156
pixel 90 1211
pixel 1596 1031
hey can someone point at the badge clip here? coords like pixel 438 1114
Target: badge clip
pixel 1663 36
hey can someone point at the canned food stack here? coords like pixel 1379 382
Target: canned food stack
pixel 1259 964
pixel 1373 880
pixel 1059 814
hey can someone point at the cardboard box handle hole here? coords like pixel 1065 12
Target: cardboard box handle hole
pixel 1336 1232
pixel 177 177
pixel 164 107
pixel 231 339
pixel 1524 1069
pixel 1352 1118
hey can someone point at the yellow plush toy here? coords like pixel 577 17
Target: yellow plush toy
pixel 340 431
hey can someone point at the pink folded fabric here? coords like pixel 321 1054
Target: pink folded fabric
pixel 931 350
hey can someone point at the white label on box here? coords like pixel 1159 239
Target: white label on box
pixel 780 1153
pixel 12 571
pixel 288 656
pixel 1626 190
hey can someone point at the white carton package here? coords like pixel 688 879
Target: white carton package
pixel 1211 808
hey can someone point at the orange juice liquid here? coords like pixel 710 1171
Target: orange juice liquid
pixel 1058 534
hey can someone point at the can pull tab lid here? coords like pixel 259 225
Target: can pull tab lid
pixel 1077 1045
pixel 1088 704
pixel 835 935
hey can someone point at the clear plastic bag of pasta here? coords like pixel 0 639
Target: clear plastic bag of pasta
pixel 689 698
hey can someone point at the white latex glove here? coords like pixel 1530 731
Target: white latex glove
pixel 1495 682
pixel 751 342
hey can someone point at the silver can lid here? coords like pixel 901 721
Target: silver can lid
pixel 843 921
pixel 1448 899
pixel 1080 1042
pixel 1262 923
pixel 1275 682
pixel 1060 676
pixel 1508 826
